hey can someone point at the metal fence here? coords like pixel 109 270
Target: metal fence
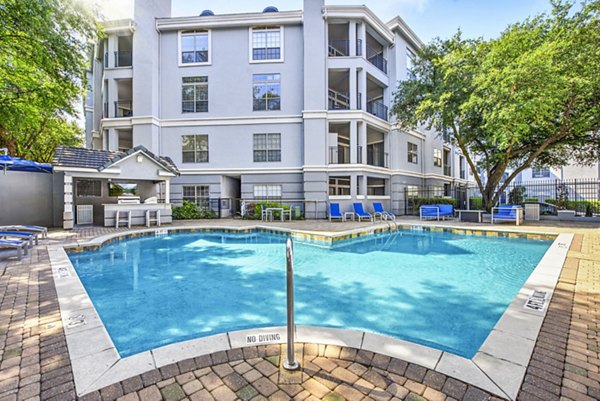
pixel 580 195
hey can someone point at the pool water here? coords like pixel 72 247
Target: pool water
pixel 438 289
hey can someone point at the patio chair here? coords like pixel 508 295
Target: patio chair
pixel 436 211
pixel 334 212
pixel 378 210
pixel 360 212
pixel 21 235
pixel 264 214
pixel 19 246
pixel 27 228
pixel 507 213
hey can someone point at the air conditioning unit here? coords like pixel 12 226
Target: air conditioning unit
pixel 85 214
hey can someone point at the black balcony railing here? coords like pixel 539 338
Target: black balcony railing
pixel 377 108
pixel 447 171
pixel 359 101
pixel 105 60
pixel 123 59
pixel 463 174
pixel 123 108
pixel 359 158
pixel 339 48
pixel 339 155
pixel 377 158
pixel 339 100
pixel 105 111
pixel 376 58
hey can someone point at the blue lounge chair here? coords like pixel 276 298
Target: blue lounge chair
pixel 19 246
pixel 507 213
pixel 21 235
pixel 360 212
pixel 334 212
pixel 436 211
pixel 379 211
pixel 27 228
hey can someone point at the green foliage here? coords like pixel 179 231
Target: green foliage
pixel 418 202
pixel 527 97
pixel 516 195
pixel 476 203
pixel 259 205
pixel 588 206
pixel 531 199
pixel 190 211
pixel 43 59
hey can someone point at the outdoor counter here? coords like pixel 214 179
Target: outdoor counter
pixel 138 212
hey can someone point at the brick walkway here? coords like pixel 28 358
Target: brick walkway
pixel 34 361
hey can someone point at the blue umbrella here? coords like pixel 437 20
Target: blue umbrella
pixel 18 164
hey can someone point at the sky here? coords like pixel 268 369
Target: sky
pixel 428 18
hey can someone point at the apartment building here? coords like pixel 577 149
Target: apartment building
pixel 290 105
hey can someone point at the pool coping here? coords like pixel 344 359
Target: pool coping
pixel 498 366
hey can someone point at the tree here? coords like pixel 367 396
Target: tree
pixel 529 97
pixel 44 46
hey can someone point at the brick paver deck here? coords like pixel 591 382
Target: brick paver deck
pixel 34 360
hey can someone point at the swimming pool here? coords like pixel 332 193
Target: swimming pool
pixel 438 289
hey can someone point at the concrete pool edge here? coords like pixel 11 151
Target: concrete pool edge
pixel 495 368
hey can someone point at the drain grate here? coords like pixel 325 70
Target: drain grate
pixel 76 321
pixel 537 301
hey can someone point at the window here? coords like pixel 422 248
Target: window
pixel 122 189
pixel 411 57
pixel 267 191
pixel 194 47
pixel 339 186
pixel 194 94
pixel 88 188
pixel 266 91
pixel 195 149
pixel 462 165
pixel 266 43
pixel 376 186
pixel 267 147
pixel 437 157
pixel 195 193
pixel 543 172
pixel 412 191
pixel 412 153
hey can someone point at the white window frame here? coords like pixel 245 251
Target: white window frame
pixel 195 85
pixel 281 46
pixel 197 192
pixel 267 149
pixel 180 63
pixel 437 151
pixel 195 150
pixel 271 191
pixel 410 154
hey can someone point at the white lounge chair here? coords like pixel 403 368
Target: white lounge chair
pixel 21 235
pixel 19 246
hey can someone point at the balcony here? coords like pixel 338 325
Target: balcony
pixel 123 59
pixel 376 58
pixel 123 108
pixel 339 155
pixel 359 158
pixel 339 48
pixel 377 108
pixel 447 171
pixel 339 100
pixel 377 158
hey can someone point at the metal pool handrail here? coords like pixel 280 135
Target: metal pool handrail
pixel 290 363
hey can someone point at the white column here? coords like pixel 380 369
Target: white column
pixel 352 38
pixel 113 139
pixel 68 203
pixel 167 191
pixel 362 88
pixel 362 35
pixel 352 88
pixel 362 141
pixel 353 185
pixel 353 142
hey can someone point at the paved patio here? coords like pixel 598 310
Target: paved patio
pixel 35 365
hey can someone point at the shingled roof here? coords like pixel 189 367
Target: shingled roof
pixel 67 156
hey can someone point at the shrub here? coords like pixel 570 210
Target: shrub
pixel 476 203
pixel 417 202
pixel 531 199
pixel 188 211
